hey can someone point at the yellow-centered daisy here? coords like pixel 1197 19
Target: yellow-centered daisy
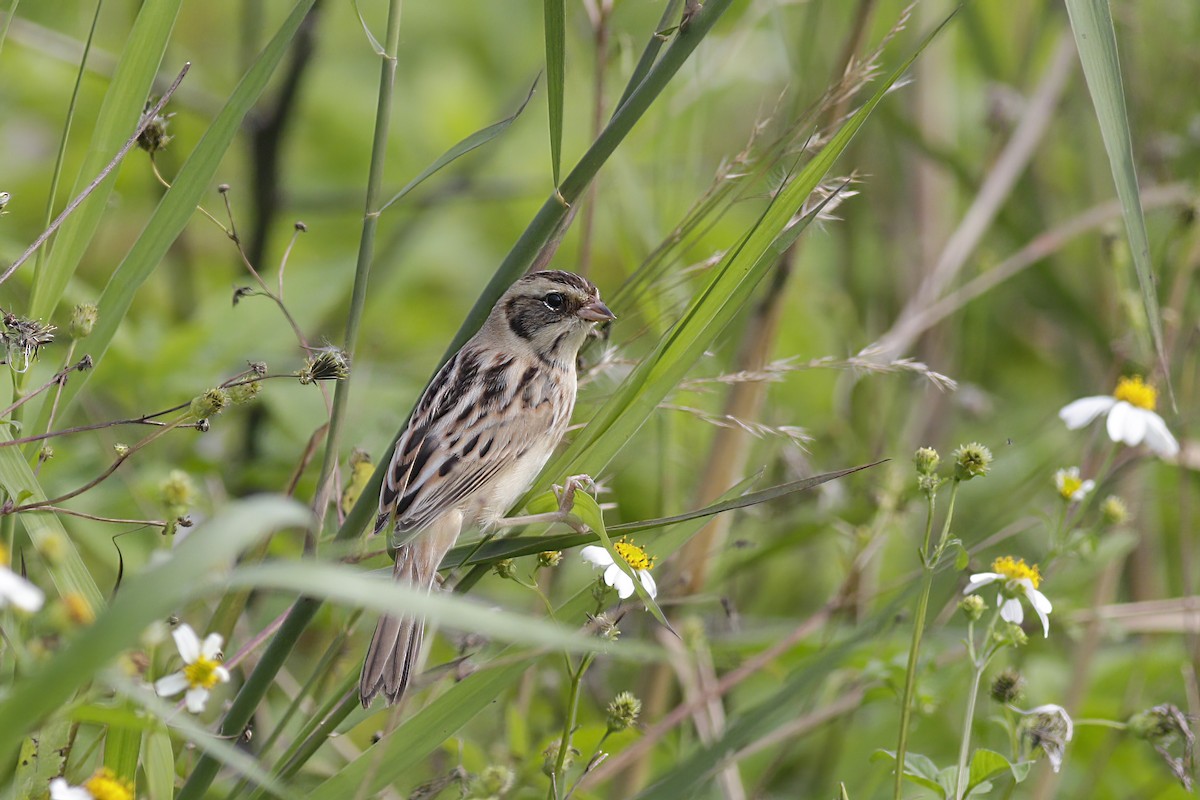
pixel 1130 413
pixel 634 556
pixel 1019 580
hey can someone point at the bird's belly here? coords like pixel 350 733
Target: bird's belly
pixel 491 502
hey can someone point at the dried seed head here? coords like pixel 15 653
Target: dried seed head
pixel 549 558
pixel 328 364
pixel 1007 686
pixel 971 461
pixel 209 404
pixel 623 712
pixel 154 137
pixel 23 338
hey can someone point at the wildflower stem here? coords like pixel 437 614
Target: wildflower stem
pixel 564 743
pixel 914 649
pixel 979 664
pixel 949 516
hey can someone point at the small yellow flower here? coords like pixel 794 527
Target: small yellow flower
pixel 78 609
pixel 614 576
pixel 1020 580
pixel 103 785
pixel 201 671
pixel 1071 486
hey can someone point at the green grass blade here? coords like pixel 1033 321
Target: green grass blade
pixel 118 117
pixel 556 76
pixel 121 748
pixel 1091 22
pixel 475 140
pixel 354 587
pixel 144 598
pixel 179 203
pixel 67 570
pixel 650 52
pixel 158 762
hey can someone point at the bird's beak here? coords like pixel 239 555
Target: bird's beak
pixel 595 311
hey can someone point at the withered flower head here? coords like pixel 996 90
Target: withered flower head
pixel 327 364
pixel 23 338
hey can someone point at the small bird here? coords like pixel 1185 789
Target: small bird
pixel 481 432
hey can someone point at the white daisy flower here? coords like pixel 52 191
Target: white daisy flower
pixel 1020 580
pixel 1070 486
pixel 1131 416
pixel 103 785
pixel 1050 728
pixel 16 590
pixel 618 578
pixel 201 671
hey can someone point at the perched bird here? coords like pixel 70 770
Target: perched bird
pixel 480 434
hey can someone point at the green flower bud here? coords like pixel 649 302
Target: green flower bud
pixel 926 460
pixel 242 393
pixel 549 558
pixel 623 712
pixel 496 779
pixel 83 319
pixel 209 404
pixel 504 567
pixel 1114 511
pixel 972 607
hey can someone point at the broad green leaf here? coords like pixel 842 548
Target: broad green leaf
pixel 987 765
pixel 554 15
pixel 179 203
pixel 477 139
pixel 42 758
pixel 144 598
pixel 1091 22
pixel 918 769
pixel 65 565
pixel 115 123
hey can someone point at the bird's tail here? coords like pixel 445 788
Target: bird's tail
pixel 392 657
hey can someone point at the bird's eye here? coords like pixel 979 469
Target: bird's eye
pixel 555 301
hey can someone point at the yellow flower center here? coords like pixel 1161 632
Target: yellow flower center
pixel 3 556
pixel 634 556
pixel 202 673
pixel 1016 569
pixel 105 785
pixel 1136 392
pixel 1069 485
pixel 78 609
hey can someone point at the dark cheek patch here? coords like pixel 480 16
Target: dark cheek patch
pixel 518 318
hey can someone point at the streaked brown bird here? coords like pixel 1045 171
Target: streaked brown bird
pixel 482 431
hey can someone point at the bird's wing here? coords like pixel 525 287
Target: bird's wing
pixel 461 436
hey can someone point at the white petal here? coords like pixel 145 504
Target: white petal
pixel 1081 412
pixel 981 579
pixel 1052 708
pixel 648 583
pixel 1043 616
pixel 171 685
pixel 61 790
pixel 615 577
pixel 596 555
pixel 1159 438
pixel 1039 601
pixel 1011 611
pixel 222 674
pixel 212 646
pixel 18 591
pixel 196 698
pixel 1126 424
pixel 1084 490
pixel 187 642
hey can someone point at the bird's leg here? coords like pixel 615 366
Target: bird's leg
pixel 566 501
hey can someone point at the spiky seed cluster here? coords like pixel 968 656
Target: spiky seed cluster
pixel 329 364
pixel 155 136
pixel 209 404
pixel 623 712
pixel 971 461
pixel 83 320
pixel 1007 686
pixel 23 338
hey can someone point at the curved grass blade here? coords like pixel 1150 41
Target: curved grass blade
pixel 144 598
pixel 554 15
pixel 477 139
pixel 1091 22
